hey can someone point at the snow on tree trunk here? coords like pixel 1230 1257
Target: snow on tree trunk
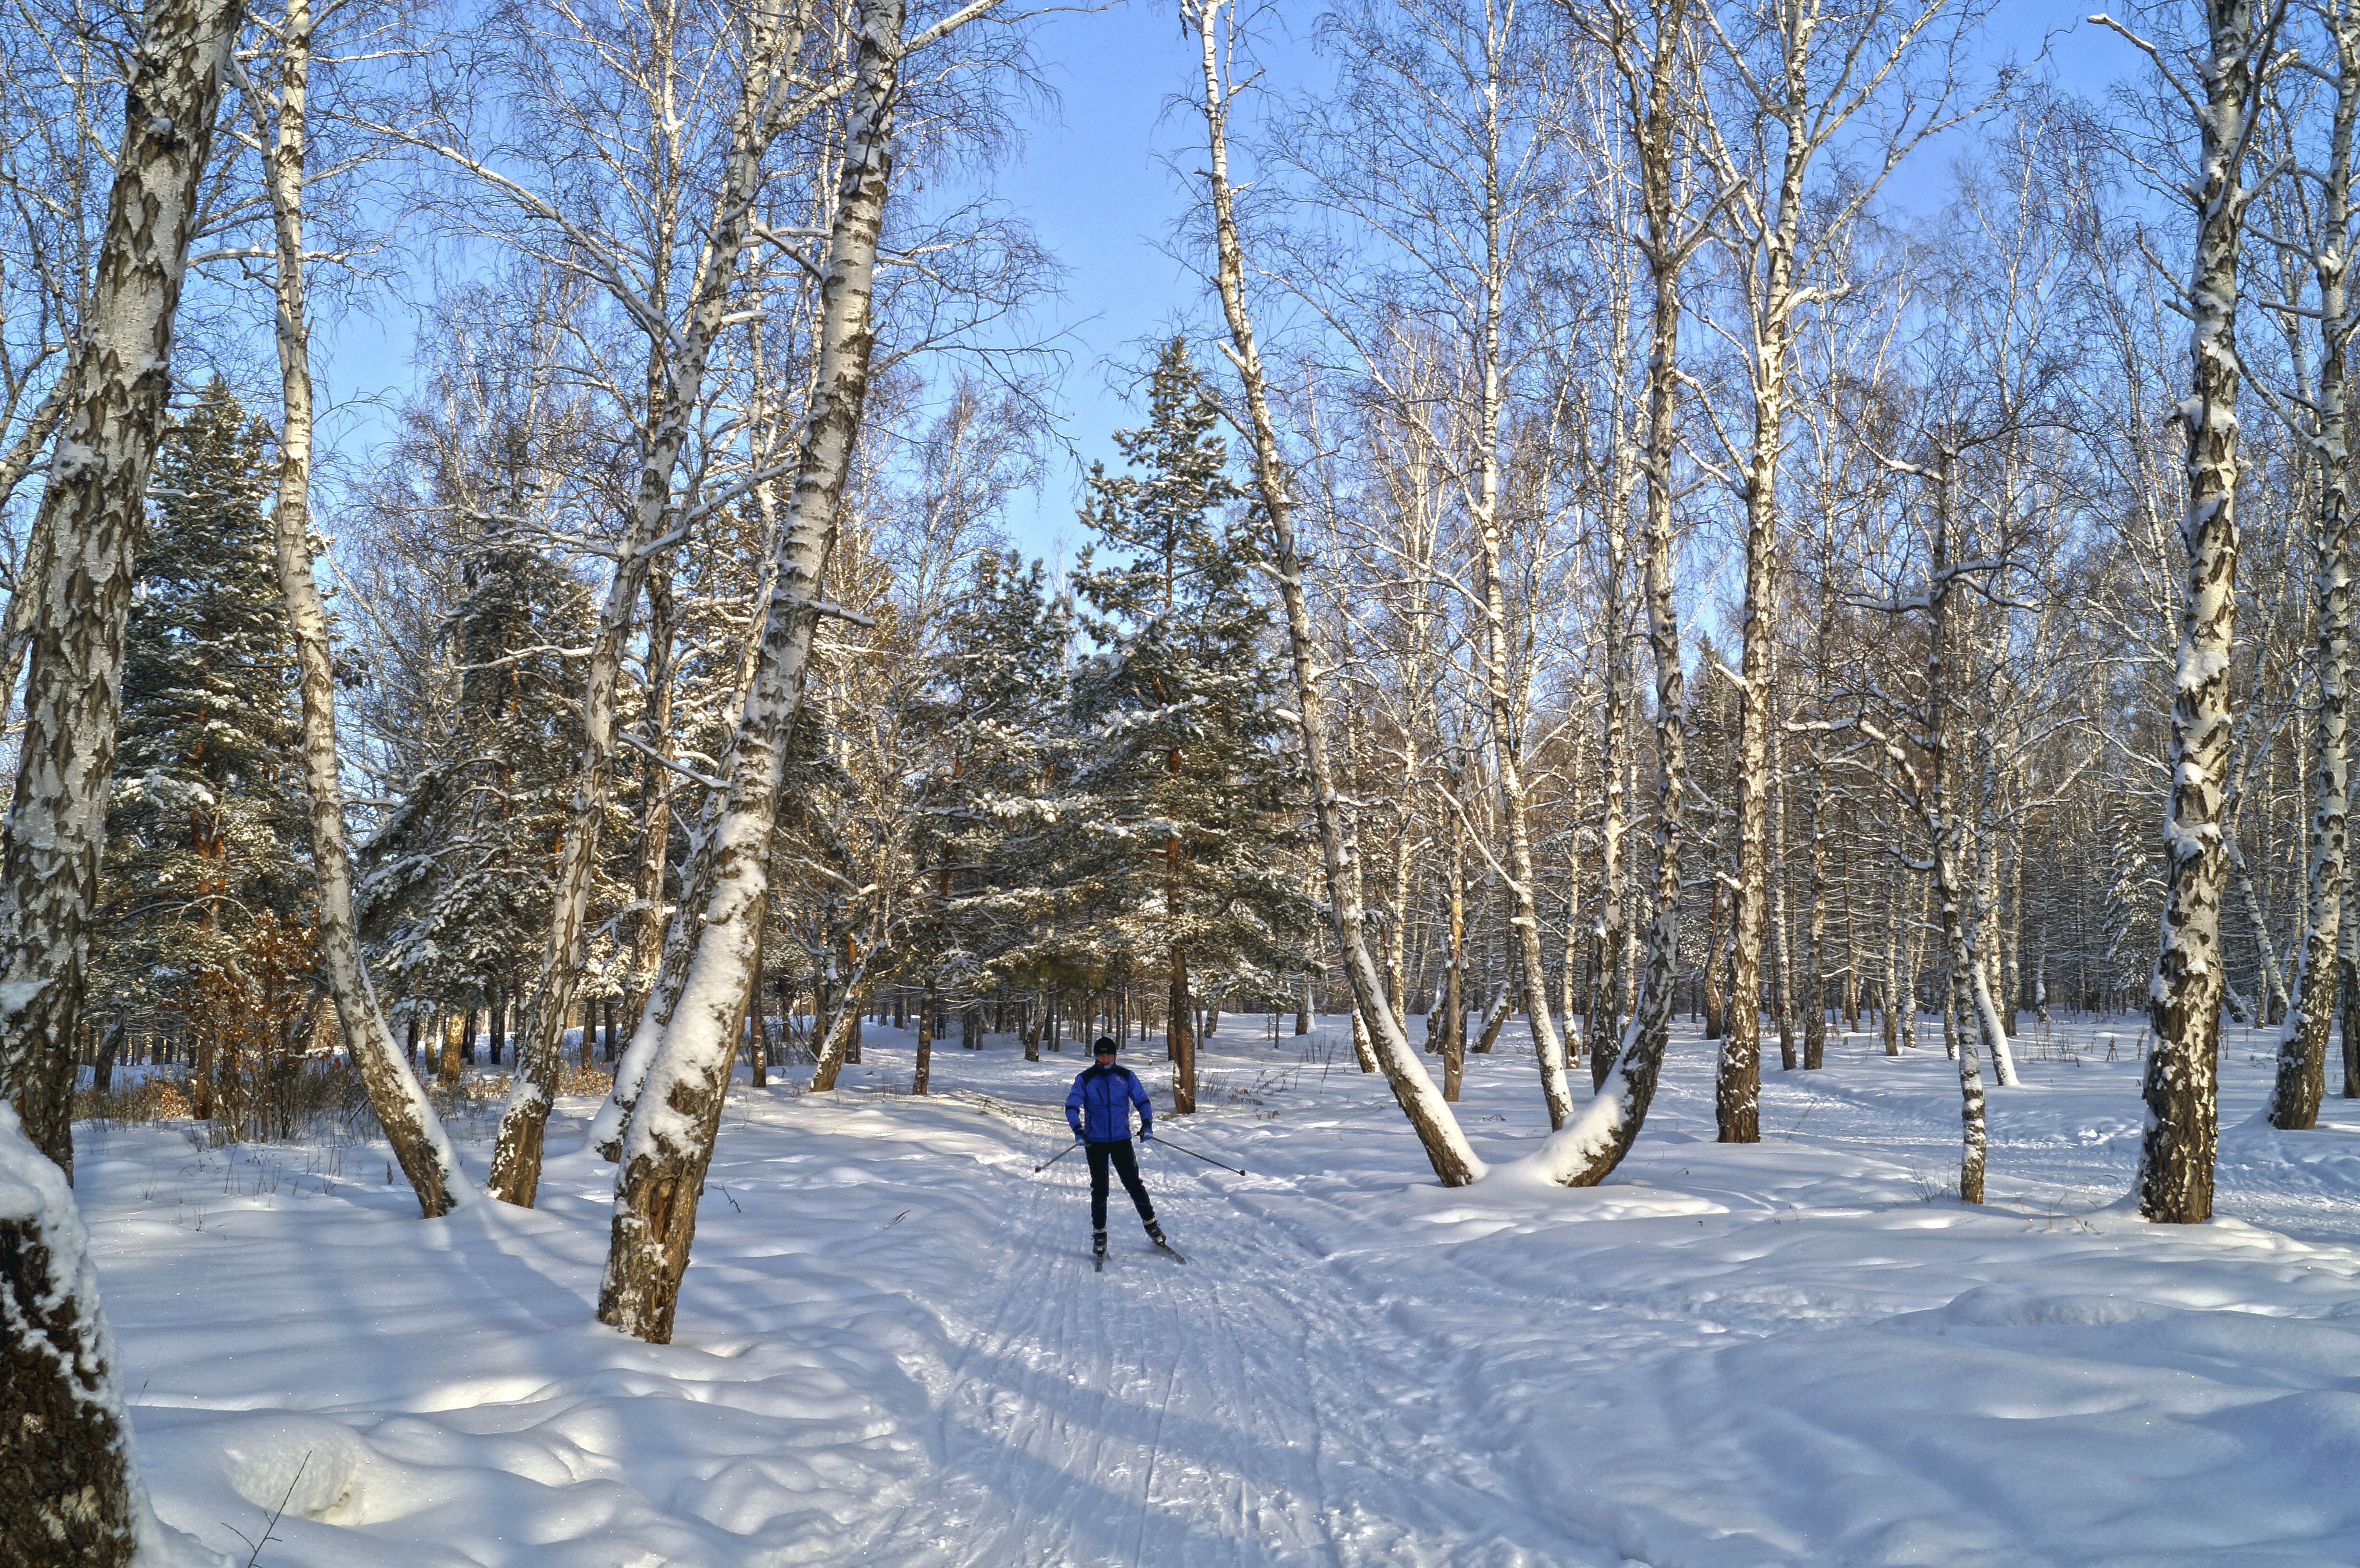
pixel 2175 1177
pixel 2302 1049
pixel 669 1141
pixel 73 1491
pixel 768 102
pixel 420 1145
pixel 88 526
pixel 1586 1151
pixel 2301 1080
pixel 1436 1125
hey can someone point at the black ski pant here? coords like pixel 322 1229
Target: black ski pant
pixel 1126 1164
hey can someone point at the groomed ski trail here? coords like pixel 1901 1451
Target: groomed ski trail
pixel 1220 1414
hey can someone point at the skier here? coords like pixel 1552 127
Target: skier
pixel 1097 1107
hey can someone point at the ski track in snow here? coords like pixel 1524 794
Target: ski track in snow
pixel 1119 1418
pixel 893 1349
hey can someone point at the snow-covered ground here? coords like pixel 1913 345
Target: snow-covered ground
pixel 891 1349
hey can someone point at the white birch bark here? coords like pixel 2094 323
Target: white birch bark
pixel 2176 1154
pixel 1933 796
pixel 412 1126
pixel 1586 1151
pixel 2301 1078
pixel 1445 1145
pixel 74 1493
pixel 88 524
pixel 676 380
pixel 669 1142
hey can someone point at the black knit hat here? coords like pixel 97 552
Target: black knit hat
pixel 1103 1046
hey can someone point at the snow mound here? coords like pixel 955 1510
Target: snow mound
pixel 2001 1306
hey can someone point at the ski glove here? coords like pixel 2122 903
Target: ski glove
pixel 1147 1135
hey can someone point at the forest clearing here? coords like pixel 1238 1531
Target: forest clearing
pixel 891 1350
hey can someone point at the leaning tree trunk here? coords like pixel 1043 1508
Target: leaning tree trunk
pixel 73 1492
pixel 411 1126
pixel 676 377
pixel 2176 1154
pixel 1586 1152
pixel 669 1142
pixel 85 531
pixel 1436 1125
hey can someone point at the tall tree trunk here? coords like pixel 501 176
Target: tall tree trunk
pixel 925 1043
pixel 1181 1035
pixel 1814 931
pixel 1445 1145
pixel 1454 974
pixel 2301 1079
pixel 2176 1154
pixel 768 102
pixel 655 811
pixel 664 1155
pixel 1586 1151
pixel 420 1145
pixel 1890 1001
pixel 72 1487
pixel 85 533
pixel 1716 1020
pixel 1783 985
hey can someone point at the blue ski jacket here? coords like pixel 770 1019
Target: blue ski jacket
pixel 1095 1106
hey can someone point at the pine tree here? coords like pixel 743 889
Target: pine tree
pixel 1002 712
pixel 1183 778
pixel 206 835
pixel 456 881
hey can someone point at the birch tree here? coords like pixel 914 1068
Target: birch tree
pixel 1653 55
pixel 1446 1146
pixel 669 1141
pixel 65 1440
pixel 2176 1152
pixel 278 99
pixel 1803 78
pixel 2300 1081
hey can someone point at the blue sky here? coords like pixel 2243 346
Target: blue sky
pixel 1101 172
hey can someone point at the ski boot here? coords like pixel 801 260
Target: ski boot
pixel 1155 1234
pixel 1098 1244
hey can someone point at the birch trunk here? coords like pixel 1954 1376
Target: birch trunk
pixel 1892 964
pixel 1454 974
pixel 1606 1001
pixel 415 1132
pixel 2301 1080
pixel 1985 937
pixel 86 528
pixel 1586 1152
pixel 1737 1086
pixel 655 817
pixel 669 1142
pixel 1782 987
pixel 2176 1154
pixel 676 375
pixel 1814 928
pixel 1436 1125
pixel 74 1490
pixel 1504 711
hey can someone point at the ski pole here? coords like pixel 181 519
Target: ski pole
pixel 1054 1157
pixel 1194 1155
